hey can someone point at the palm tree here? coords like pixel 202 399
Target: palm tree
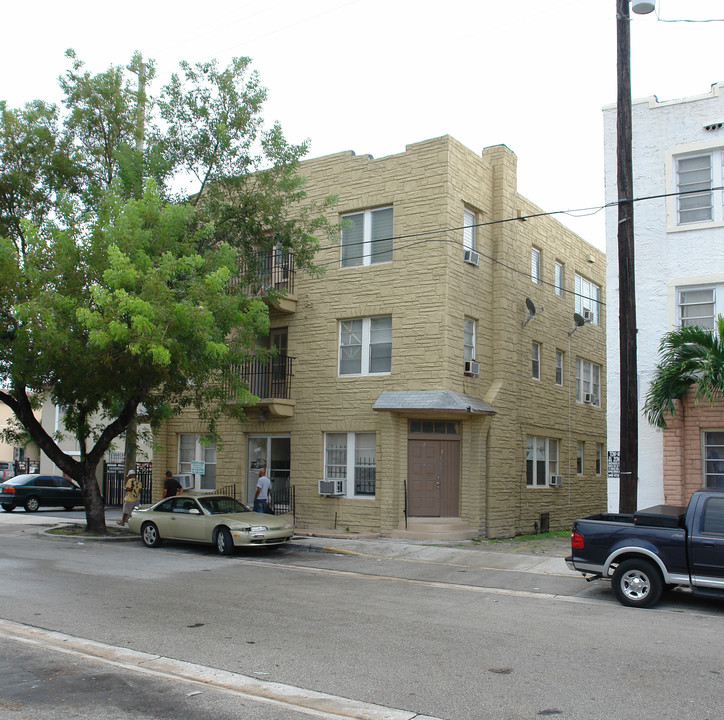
pixel 689 356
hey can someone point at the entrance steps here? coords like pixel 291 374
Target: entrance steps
pixel 434 528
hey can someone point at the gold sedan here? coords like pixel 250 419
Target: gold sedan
pixel 217 520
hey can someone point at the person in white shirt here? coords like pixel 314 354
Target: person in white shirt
pixel 261 497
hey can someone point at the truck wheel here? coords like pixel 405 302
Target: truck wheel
pixel 637 583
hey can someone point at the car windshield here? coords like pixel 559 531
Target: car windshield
pixel 220 505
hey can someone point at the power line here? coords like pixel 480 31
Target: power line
pixel 427 236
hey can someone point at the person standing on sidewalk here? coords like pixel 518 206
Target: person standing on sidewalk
pixel 261 497
pixel 130 499
pixel 171 486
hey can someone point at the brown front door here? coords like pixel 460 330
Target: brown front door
pixel 433 478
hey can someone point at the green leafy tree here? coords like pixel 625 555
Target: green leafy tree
pixel 118 291
pixel 690 357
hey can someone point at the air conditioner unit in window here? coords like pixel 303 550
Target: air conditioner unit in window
pixel 471 257
pixel 556 480
pixel 588 315
pixel 186 481
pixel 472 368
pixel 589 398
pixel 332 487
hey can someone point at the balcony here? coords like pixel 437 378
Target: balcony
pixel 271 276
pixel 270 380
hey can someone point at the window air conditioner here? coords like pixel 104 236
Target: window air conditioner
pixel 471 257
pixel 556 480
pixel 332 487
pixel 589 398
pixel 186 481
pixel 588 315
pixel 472 368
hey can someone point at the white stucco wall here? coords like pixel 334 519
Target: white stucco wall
pixel 665 256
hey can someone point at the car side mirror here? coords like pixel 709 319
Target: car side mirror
pixel 194 511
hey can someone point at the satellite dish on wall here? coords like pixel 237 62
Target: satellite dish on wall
pixel 579 320
pixel 532 310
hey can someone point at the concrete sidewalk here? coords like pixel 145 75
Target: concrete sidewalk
pixel 538 555
pixel 507 555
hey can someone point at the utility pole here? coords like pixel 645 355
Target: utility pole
pixel 629 414
pixel 629 427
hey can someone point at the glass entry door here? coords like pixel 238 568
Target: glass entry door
pixel 272 452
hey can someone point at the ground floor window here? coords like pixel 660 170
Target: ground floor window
pixel 541 460
pixel 197 459
pixel 352 458
pixel 714 458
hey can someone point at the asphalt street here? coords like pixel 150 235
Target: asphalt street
pixel 337 627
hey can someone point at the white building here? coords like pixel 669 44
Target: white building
pixel 678 146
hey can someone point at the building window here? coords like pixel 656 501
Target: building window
pixel 469 222
pixel 588 297
pixel 195 456
pixel 588 382
pixel 365 346
pixel 599 458
pixel 579 458
pixel 559 367
pixel 535 265
pixel 541 460
pixel 367 237
pixel 558 279
pixel 696 175
pixel 535 361
pixel 714 459
pixel 351 457
pixel 696 306
pixel 469 340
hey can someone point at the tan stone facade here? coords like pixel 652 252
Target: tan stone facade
pixel 428 291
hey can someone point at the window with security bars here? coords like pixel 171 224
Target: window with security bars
pixel 367 237
pixel 352 456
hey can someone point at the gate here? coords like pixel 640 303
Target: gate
pixel 114 483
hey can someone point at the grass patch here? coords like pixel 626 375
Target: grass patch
pixel 528 538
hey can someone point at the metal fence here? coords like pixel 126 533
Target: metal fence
pixel 114 482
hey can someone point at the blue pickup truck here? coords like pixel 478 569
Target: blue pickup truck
pixel 654 549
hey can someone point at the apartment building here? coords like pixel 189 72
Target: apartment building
pixel 678 161
pixel 448 370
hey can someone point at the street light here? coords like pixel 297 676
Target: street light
pixel 629 429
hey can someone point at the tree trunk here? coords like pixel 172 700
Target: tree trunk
pixel 95 512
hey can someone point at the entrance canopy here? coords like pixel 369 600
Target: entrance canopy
pixel 432 401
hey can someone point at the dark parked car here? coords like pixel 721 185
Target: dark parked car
pixel 32 491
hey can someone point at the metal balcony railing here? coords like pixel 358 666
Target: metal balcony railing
pixel 270 378
pixel 270 270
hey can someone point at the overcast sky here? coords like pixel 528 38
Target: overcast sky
pixel 372 76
